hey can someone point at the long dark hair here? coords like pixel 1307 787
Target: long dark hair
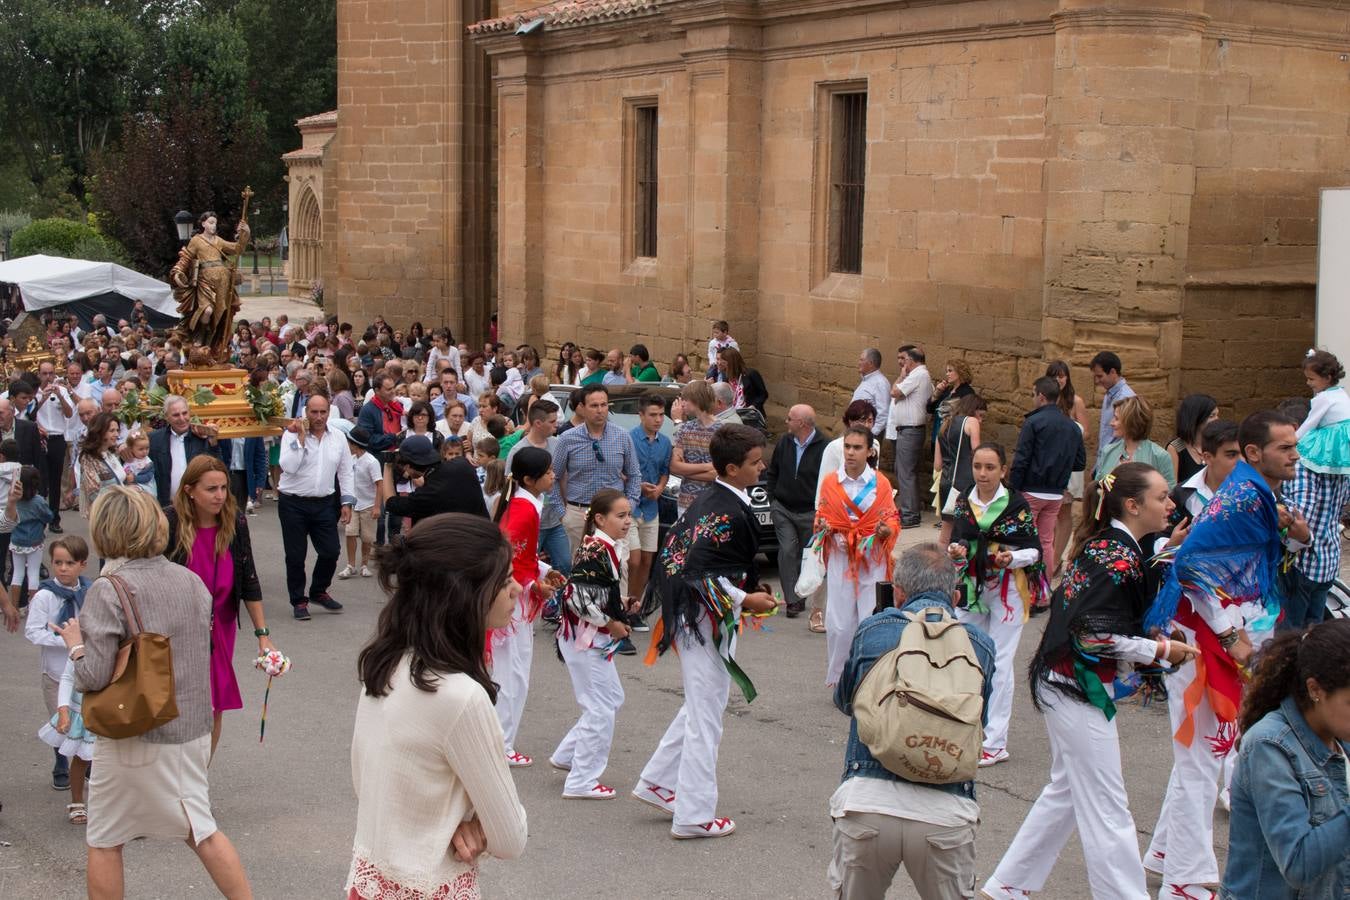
pixel 1057 368
pixel 441 577
pixel 92 443
pixel 1283 667
pixel 1193 412
pixel 1127 481
pixel 528 462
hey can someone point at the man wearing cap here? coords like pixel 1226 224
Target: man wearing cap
pixel 439 486
pixel 312 458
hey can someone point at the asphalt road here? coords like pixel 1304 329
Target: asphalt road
pixel 288 805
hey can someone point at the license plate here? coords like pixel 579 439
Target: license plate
pixel 764 518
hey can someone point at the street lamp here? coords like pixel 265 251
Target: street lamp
pixel 258 212
pixel 183 222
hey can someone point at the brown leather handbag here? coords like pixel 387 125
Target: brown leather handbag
pixel 140 696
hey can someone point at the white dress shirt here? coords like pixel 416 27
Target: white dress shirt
pixel 308 470
pixel 876 388
pixel 177 459
pixel 49 414
pixel 911 408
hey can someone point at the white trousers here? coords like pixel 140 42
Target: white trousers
pixel 1185 829
pixel 1086 790
pixel 1003 624
pixel 585 748
pixel 512 653
pixel 686 759
pixel 847 604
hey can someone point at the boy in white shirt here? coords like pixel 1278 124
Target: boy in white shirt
pixel 367 480
pixel 57 601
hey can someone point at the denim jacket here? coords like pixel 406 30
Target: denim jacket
pixel 876 636
pixel 1289 830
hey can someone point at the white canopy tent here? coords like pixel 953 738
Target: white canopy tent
pixel 87 288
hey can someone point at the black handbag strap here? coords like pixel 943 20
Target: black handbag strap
pixel 125 596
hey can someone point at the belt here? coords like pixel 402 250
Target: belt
pixel 328 496
pixel 909 426
pixel 209 264
pixel 579 505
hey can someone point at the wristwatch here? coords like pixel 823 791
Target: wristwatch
pixel 261 632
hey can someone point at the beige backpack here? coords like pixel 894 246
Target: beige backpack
pixel 919 707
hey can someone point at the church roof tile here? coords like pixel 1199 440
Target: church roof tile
pixel 568 13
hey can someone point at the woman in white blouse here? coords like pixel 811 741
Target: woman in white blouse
pixel 433 789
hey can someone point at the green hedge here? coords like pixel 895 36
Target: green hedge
pixel 64 237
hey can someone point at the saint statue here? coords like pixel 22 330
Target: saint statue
pixel 205 283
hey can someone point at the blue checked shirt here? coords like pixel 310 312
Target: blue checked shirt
pixel 584 465
pixel 654 463
pixel 1320 498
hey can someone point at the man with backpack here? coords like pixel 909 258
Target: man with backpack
pixel 916 685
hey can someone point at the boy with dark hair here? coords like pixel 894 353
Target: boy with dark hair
pixel 704 579
pixel 1219 450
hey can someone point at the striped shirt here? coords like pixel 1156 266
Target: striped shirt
pixel 1320 498
pixel 584 465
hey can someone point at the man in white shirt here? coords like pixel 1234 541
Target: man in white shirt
pixel 312 456
pixel 55 409
pixel 904 425
pixel 179 441
pixel 874 387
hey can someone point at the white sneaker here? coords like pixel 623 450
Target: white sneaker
pixel 347 572
pixel 1173 891
pixel 993 890
pixel 988 758
pixel 517 760
pixel 365 572
pixel 251 508
pixel 714 829
pixel 656 796
pixel 595 792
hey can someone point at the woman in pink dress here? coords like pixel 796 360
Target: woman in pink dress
pixel 209 535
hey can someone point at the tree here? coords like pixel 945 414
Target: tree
pixel 68 72
pixel 65 237
pixel 182 154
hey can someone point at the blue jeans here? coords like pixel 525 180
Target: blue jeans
pixel 1305 601
pixel 553 541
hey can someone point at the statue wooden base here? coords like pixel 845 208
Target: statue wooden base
pixel 230 412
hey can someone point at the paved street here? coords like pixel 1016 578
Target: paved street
pixel 288 803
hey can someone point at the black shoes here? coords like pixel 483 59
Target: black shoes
pixel 326 602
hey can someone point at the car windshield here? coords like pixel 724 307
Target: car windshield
pixel 623 411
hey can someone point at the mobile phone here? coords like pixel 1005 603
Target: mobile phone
pixel 885 596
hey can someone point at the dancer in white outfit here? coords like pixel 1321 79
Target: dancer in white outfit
pixel 704 578
pixel 593 622
pixel 856 528
pixel 997 550
pixel 1088 655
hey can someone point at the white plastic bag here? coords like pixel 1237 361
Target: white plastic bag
pixel 811 575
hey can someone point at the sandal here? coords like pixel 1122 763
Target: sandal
pixel 817 621
pixel 77 813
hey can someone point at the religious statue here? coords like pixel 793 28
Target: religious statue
pixel 205 283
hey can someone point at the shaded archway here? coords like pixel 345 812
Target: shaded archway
pixel 306 249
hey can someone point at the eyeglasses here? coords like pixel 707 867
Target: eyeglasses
pixel 599 456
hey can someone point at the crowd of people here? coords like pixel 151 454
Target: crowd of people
pixel 1198 570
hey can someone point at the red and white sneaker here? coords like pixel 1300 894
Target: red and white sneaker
pixel 714 829
pixel 988 758
pixel 519 760
pixel 596 792
pixel 1173 891
pixel 993 890
pixel 1153 861
pixel 656 796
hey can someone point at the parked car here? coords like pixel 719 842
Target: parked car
pixel 623 411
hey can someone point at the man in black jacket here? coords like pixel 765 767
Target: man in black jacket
pixel 441 487
pixel 791 477
pixel 173 446
pixel 1049 450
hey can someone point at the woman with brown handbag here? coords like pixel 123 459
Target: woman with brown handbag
pixel 153 784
